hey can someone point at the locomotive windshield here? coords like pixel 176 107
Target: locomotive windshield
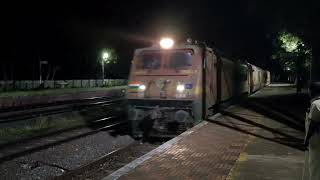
pixel 180 60
pixel 169 60
pixel 150 61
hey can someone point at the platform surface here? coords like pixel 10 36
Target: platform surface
pixel 252 140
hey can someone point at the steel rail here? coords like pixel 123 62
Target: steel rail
pixel 58 142
pixel 71 173
pixel 59 109
pixel 56 103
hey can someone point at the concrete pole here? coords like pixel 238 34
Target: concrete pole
pixel 102 67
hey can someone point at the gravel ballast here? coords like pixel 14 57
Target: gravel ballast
pixel 56 160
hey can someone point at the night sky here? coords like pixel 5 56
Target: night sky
pixel 72 34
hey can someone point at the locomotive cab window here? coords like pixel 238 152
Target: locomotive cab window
pixel 180 60
pixel 149 61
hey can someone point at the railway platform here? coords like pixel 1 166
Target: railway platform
pixel 260 138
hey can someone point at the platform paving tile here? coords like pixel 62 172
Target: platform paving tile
pixel 209 153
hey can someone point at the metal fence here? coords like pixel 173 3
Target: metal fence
pixel 50 84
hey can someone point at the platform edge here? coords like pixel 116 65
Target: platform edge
pixel 132 165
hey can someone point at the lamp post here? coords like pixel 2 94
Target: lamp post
pixel 105 58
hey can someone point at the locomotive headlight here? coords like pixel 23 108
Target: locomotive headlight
pixel 180 88
pixel 141 90
pixel 166 43
pixel 142 87
pixel 181 93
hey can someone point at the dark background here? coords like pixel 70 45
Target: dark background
pixel 72 34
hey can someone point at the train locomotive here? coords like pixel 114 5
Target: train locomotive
pixel 173 87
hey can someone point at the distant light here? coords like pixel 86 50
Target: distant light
pixel 105 56
pixel 288 68
pixel 166 43
pixel 189 41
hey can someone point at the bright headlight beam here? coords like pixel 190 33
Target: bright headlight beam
pixel 166 43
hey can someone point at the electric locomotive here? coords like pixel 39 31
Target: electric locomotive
pixel 172 87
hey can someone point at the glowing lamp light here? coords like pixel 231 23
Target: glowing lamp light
pixel 105 56
pixel 166 43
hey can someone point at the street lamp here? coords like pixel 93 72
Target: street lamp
pixel 105 59
pixel 105 56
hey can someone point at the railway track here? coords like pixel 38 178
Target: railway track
pixel 55 103
pixel 108 163
pixel 24 146
pixel 30 145
pixel 115 122
pixel 14 114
